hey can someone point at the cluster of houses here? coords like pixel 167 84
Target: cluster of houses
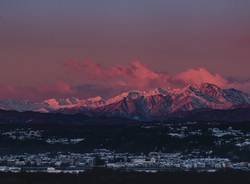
pixel 80 162
pixel 23 134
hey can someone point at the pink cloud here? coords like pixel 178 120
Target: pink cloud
pixel 201 75
pixel 244 86
pixel 15 92
pixel 139 76
pixel 59 89
pixel 136 75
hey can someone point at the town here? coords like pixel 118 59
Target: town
pixel 78 162
pixel 170 147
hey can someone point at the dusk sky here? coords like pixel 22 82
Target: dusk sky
pixel 87 47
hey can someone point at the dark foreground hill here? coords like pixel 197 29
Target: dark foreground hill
pixel 38 118
pixel 202 115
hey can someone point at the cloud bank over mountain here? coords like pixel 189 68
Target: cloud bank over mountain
pixel 88 79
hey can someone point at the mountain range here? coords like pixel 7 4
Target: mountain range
pixel 142 105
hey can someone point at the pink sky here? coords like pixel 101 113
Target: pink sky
pixel 87 48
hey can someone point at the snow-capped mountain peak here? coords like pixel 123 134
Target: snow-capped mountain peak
pixel 61 103
pixel 144 104
pixel 157 91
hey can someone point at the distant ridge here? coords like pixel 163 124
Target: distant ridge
pixel 157 104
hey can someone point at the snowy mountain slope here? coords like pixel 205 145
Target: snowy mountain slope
pixel 161 103
pixel 141 104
